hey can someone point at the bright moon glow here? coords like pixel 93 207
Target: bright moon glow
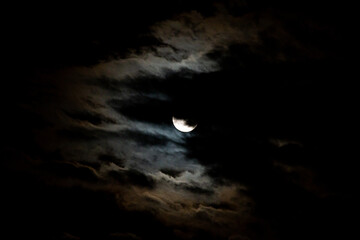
pixel 182 126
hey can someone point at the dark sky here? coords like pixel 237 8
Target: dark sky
pixel 89 150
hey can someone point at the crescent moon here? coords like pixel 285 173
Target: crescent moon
pixel 182 126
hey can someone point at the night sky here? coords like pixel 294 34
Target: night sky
pixel 89 150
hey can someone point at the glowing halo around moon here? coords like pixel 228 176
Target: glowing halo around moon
pixel 182 126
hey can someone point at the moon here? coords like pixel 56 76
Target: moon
pixel 182 125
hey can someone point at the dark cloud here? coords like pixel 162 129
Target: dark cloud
pixel 62 213
pixel 97 33
pixel 133 177
pixel 109 158
pixel 124 236
pixel 222 205
pixel 71 171
pixel 108 84
pixel 86 134
pixel 198 190
pixel 144 109
pixel 90 151
pixel 93 118
pixel 145 139
pixel 171 172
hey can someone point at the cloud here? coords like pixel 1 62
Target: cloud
pixel 253 160
pixel 171 172
pixel 91 117
pixel 125 236
pixel 198 190
pixel 86 133
pixel 132 177
pixel 184 43
pixel 193 33
pixel 144 109
pixel 110 158
pixel 71 170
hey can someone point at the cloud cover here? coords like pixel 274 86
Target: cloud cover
pixel 106 153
